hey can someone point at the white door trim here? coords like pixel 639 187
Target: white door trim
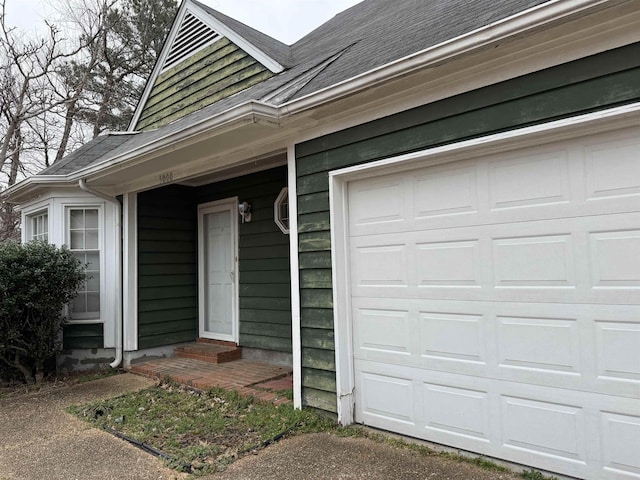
pixel 231 205
pixel 574 127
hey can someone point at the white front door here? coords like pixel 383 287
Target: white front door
pixel 217 225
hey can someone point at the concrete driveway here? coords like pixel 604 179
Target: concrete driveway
pixel 38 439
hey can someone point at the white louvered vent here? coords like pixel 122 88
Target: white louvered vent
pixel 192 35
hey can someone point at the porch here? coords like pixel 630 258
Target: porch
pixel 197 365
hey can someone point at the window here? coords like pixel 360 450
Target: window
pixel 84 242
pixel 38 227
pixel 281 210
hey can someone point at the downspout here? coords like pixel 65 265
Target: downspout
pixel 119 316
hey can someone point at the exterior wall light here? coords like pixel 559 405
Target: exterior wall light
pixel 244 209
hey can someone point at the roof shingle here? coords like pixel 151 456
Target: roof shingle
pixel 366 36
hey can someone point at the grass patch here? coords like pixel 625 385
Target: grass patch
pixel 202 431
pixel 535 475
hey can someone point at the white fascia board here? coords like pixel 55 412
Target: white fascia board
pixel 534 18
pixel 182 11
pixel 240 41
pixel 35 181
pixel 538 17
pixel 247 113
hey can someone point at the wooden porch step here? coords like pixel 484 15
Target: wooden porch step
pixel 212 351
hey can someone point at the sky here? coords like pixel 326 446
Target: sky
pixel 285 20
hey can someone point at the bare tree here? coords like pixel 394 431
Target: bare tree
pixel 89 19
pixel 121 40
pixel 25 69
pixel 56 91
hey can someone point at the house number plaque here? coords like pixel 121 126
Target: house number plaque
pixel 166 177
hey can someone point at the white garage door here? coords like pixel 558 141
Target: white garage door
pixel 496 304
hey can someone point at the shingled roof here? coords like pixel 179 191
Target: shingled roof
pixel 366 36
pixel 87 154
pixel 382 31
pixel 275 49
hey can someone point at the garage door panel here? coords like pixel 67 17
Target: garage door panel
pixel 385 331
pixel 534 343
pixel 383 264
pixel 618 347
pixel 615 259
pixel 388 397
pixel 578 347
pixel 444 191
pixel 471 407
pixel 566 346
pixel 620 446
pixel 553 428
pixel 612 169
pixel 448 264
pixel 591 259
pixel 495 304
pixel 531 179
pixel 528 424
pixel 377 203
pixel 452 336
pixel 563 181
pixel 605 206
pixel 549 261
pixel 448 337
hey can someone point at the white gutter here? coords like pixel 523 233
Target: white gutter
pixel 535 17
pixel 118 224
pixel 35 180
pixel 246 113
pixel 255 111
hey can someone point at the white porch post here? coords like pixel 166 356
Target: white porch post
pixel 295 279
pixel 130 271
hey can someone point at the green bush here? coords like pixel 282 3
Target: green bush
pixel 37 280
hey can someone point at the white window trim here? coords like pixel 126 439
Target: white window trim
pixel 66 209
pixel 284 193
pixel 31 211
pixel 30 218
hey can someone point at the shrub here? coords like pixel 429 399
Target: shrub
pixel 37 280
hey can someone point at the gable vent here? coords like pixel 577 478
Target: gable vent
pixel 192 35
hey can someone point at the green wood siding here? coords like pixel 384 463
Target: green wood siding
pixel 265 287
pixel 80 335
pixel 216 72
pixel 602 81
pixel 167 267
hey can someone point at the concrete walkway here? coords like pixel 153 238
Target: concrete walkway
pixel 39 440
pixel 324 456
